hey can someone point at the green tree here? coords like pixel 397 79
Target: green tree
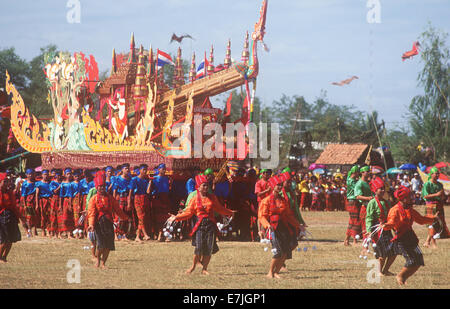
pixel 403 147
pixel 38 90
pixel 370 130
pixel 429 113
pixel 17 68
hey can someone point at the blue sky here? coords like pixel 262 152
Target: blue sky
pixel 312 42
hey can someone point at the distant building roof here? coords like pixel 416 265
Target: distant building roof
pixel 343 154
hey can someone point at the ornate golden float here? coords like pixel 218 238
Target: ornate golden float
pixel 130 115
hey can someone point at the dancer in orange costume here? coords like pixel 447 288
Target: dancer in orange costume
pixel 204 232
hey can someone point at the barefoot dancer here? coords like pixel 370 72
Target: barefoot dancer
pixel 401 218
pixel 43 201
pixel 28 189
pixel 433 194
pixel 100 217
pixel 363 194
pixel 353 207
pixel 262 189
pixel 66 222
pixel 121 191
pixel 160 187
pixel 9 218
pixel 203 234
pixel 55 187
pixel 377 211
pixel 277 216
pixel 139 185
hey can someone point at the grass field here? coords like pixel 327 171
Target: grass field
pixel 40 262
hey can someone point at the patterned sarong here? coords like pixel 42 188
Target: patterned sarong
pixel 329 202
pixel 30 211
pixel 430 211
pixel 141 205
pixel 160 210
pixel 407 245
pixel 77 205
pixel 305 201
pixel 44 209
pixel 283 241
pixel 204 238
pixel 123 226
pixel 362 218
pixel 54 206
pixel 317 202
pixel 65 216
pixel 354 224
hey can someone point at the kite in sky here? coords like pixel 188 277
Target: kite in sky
pixel 413 52
pixel 180 38
pixel 345 81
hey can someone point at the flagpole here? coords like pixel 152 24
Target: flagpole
pixel 205 66
pixel 156 77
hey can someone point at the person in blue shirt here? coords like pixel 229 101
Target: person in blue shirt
pixel 86 184
pixel 190 184
pixel 139 188
pixel 66 222
pixel 109 170
pixel 28 197
pixel 160 187
pixel 55 187
pixel 43 200
pixel 77 203
pixel 121 192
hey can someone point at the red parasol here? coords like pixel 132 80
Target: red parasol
pixel 442 164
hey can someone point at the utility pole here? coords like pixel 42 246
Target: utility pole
pixel 339 129
pixel 293 127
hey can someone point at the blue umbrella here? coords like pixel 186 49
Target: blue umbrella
pixel 394 170
pixel 319 171
pixel 408 166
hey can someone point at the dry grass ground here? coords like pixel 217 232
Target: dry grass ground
pixel 42 263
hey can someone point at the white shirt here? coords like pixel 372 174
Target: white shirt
pixel 405 183
pixel 415 184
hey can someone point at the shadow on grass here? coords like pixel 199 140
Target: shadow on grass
pixel 129 260
pixel 322 240
pixel 330 269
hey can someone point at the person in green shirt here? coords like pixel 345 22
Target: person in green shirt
pixel 292 199
pixel 377 212
pixel 353 207
pixel 363 194
pixel 433 194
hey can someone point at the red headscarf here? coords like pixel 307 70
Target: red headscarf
pixel 100 179
pixel 402 192
pixel 376 184
pixel 285 176
pixel 275 180
pixel 200 179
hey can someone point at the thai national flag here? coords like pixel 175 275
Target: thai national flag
pixel 201 70
pixel 163 59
